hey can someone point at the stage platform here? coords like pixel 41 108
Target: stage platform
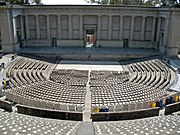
pixel 80 53
pixel 90 65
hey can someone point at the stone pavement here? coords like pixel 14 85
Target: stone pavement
pixel 19 124
pixel 161 125
pixel 86 128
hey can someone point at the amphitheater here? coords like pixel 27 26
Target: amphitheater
pixel 89 70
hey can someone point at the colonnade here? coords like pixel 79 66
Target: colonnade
pixel 156 21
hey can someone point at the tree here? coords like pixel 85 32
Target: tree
pixel 116 2
pixel 24 1
pixel 167 3
pixel 152 3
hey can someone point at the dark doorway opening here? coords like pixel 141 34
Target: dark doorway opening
pixel 125 43
pixel 89 37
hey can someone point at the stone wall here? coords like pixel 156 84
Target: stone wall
pixel 126 115
pixel 47 113
pixel 140 27
pixel 172 108
pixel 5 105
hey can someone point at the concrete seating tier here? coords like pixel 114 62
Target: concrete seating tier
pixel 33 85
pixel 152 73
pixel 161 125
pixel 19 124
pixel 143 83
pixel 24 71
pixel 70 77
pixel 50 95
pixel 100 78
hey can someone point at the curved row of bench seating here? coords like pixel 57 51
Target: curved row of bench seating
pixel 136 88
pixel 146 82
pixel 70 77
pixel 50 95
pixel 152 73
pixel 23 71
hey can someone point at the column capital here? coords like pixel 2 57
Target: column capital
pixel 133 16
pixel 144 16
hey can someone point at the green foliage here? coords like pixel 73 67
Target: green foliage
pixel 116 2
pixel 152 3
pixel 167 3
pixel 23 1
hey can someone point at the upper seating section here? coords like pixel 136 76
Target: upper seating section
pixel 49 94
pixel 153 73
pixel 24 71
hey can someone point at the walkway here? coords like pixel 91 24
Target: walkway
pixel 87 108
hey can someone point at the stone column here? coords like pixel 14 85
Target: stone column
pixel 14 34
pixel 121 28
pixel 70 27
pixel 132 28
pixel 22 27
pixel 158 29
pixel 166 33
pixel 27 26
pixel 81 27
pixel 59 26
pixel 48 28
pixel 110 27
pixel 37 27
pixel 143 28
pixel 7 31
pixel 153 29
pixel 99 28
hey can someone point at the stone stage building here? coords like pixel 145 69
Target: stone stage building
pixel 90 26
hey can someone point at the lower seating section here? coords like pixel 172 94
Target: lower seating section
pixel 18 124
pixel 50 95
pixel 162 125
pixel 125 93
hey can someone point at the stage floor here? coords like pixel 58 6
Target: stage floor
pixel 90 65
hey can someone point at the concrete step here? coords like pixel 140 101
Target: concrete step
pixel 86 128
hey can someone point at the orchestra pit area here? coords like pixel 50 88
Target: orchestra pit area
pixel 82 87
